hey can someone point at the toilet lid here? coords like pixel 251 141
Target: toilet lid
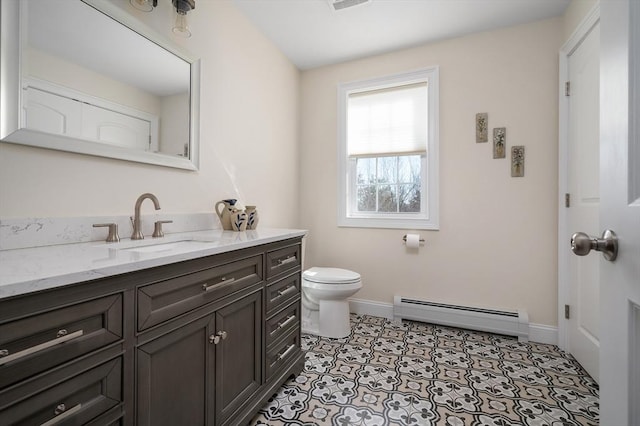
pixel 330 276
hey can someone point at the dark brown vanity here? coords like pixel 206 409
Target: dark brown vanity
pixel 205 341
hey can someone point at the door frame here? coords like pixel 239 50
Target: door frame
pixel 567 49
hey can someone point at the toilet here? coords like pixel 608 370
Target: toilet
pixel 325 308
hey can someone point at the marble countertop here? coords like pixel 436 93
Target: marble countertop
pixel 39 268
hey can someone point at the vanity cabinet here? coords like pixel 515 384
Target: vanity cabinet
pixel 200 342
pixel 205 369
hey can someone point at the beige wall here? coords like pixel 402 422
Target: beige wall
pixel 249 146
pixel 498 237
pixel 574 14
pixel 57 70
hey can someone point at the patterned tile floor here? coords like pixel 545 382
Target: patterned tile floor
pixel 421 374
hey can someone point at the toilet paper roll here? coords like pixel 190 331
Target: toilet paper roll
pixel 413 240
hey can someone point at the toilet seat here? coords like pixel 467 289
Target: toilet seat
pixel 331 276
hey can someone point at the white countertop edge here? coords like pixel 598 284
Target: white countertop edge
pixel 40 268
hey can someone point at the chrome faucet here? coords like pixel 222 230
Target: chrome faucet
pixel 137 222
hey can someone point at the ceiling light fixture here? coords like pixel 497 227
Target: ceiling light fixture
pixel 182 7
pixel 144 5
pixel 181 26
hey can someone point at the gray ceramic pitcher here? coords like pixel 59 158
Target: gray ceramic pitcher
pixel 225 213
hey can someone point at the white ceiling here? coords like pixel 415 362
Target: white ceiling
pixel 311 34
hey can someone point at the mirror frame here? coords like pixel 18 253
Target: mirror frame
pixel 12 39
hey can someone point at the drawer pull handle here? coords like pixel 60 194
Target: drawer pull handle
pixel 287 260
pixel 62 336
pixel 284 323
pixel 286 291
pixel 287 352
pixel 61 408
pixel 224 280
pixel 62 413
pixel 282 355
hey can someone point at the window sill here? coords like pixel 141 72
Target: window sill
pixel 366 222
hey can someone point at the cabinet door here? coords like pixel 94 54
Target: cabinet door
pixel 238 354
pixel 174 372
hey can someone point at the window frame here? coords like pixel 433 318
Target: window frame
pixel 427 219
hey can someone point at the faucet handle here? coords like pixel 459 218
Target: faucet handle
pixel 113 231
pixel 157 229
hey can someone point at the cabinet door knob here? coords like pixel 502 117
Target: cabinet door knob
pixel 214 340
pixel 222 334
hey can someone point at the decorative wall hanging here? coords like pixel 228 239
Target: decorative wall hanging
pixel 499 142
pixel 517 161
pixel 482 126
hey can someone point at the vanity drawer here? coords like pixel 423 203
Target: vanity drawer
pixel 282 323
pixel 38 342
pixel 282 292
pixel 281 354
pixel 162 301
pixel 283 260
pixel 75 401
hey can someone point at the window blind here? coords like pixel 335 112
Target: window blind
pixel 387 121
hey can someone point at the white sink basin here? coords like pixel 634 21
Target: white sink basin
pixel 170 246
pixel 159 245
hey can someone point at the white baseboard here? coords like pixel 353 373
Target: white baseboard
pixel 541 333
pixel 538 333
pixel 369 307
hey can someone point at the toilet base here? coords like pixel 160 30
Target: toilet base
pixel 334 318
pixel 330 320
pixel 310 321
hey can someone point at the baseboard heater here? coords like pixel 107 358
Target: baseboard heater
pixel 510 323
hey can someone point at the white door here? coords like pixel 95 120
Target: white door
pixel 620 211
pixel 115 128
pixel 51 113
pixel 583 185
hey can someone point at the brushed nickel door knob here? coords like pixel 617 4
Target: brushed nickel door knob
pixel 582 244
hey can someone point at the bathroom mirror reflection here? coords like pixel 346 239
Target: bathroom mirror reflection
pixel 108 87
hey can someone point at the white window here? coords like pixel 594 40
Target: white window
pixel 388 152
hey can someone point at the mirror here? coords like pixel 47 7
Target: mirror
pixel 110 87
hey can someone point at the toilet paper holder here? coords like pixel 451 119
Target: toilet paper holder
pixel 405 239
